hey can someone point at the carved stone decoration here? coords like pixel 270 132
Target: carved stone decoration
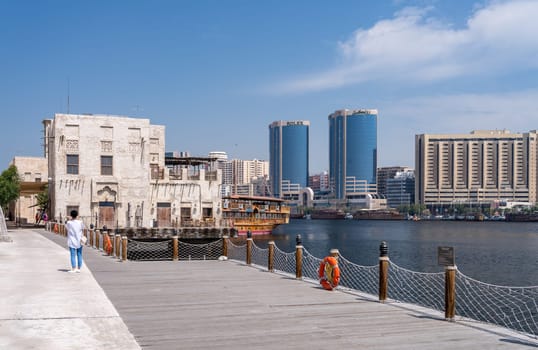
pixel 71 146
pixel 106 146
pixel 134 147
pixel 107 194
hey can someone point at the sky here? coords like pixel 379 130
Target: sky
pixel 217 73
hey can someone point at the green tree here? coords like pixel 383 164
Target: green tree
pixel 10 186
pixel 43 199
pixel 403 209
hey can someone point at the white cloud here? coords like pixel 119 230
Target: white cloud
pixel 399 121
pixel 517 111
pixel 412 46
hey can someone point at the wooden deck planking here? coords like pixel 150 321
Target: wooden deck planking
pixel 227 305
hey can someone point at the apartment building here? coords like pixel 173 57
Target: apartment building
pixel 245 177
pixel 477 168
pixel 386 173
pixel 400 189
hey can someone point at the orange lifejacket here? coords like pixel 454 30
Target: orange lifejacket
pixel 108 245
pixel 329 273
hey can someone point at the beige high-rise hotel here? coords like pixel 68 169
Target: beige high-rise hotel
pixel 477 168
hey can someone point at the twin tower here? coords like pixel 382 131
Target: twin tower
pixel 352 154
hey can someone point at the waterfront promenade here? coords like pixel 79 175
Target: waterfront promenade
pixel 202 305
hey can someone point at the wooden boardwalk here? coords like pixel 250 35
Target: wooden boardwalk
pixel 227 305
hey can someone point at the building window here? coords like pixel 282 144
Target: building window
pixel 71 131
pixel 107 132
pixel 156 172
pixel 106 165
pixel 134 134
pixel 72 164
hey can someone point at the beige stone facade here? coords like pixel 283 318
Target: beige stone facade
pixel 477 168
pixel 33 174
pixel 112 170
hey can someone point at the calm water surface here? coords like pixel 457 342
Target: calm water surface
pixel 502 253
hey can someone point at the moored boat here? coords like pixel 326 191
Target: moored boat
pixel 259 215
pixel 327 214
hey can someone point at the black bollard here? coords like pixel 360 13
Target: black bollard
pixel 383 249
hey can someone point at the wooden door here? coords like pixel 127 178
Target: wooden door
pixel 186 219
pixel 164 215
pixel 106 215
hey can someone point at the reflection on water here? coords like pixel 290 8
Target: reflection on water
pixel 503 253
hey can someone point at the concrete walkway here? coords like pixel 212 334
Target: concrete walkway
pixel 42 306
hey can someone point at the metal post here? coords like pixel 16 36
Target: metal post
pixel 383 271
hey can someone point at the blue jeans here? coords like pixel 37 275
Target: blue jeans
pixel 76 254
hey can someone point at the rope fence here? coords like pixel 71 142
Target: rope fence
pixel 453 292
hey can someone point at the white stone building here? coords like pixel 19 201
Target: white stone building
pixel 112 170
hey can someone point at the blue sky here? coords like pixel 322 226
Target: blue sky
pixel 217 73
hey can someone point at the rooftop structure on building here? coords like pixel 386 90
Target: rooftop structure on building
pixel 219 155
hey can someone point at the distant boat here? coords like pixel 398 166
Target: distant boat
pixel 327 214
pixel 414 217
pixel 257 215
pixel 378 215
pixel 348 216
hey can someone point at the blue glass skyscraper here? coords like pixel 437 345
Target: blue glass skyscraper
pixel 288 155
pixel 353 152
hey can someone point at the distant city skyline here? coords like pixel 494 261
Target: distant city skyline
pixel 216 73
